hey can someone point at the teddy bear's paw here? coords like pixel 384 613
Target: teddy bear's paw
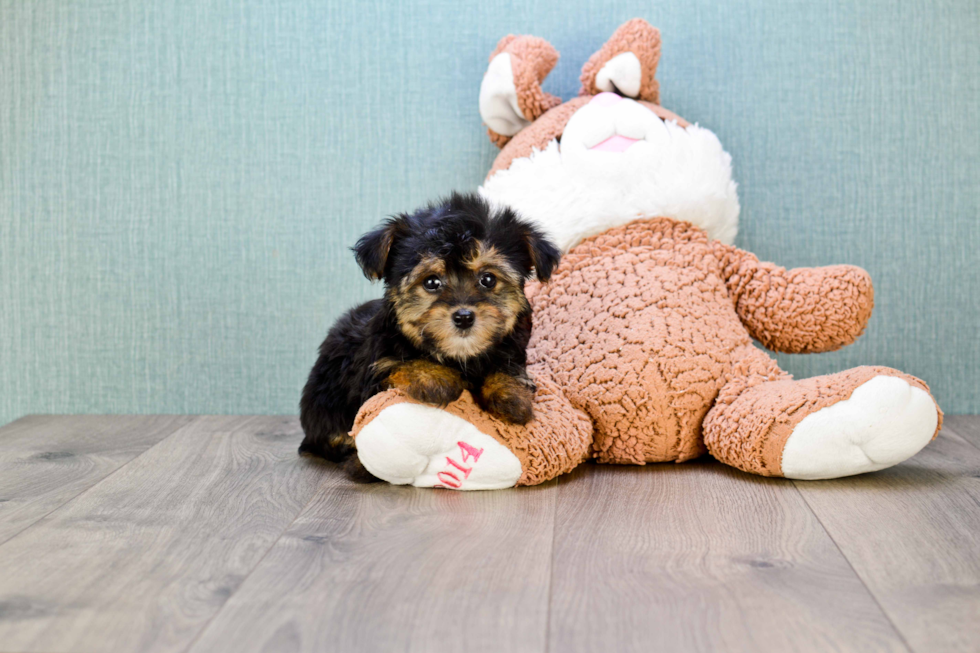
pixel 411 444
pixel 885 421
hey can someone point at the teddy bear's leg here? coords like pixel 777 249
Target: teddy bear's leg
pixel 464 448
pixel 859 420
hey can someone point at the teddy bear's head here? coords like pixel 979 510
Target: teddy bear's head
pixel 607 157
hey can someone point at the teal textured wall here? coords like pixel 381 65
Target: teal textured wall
pixel 180 181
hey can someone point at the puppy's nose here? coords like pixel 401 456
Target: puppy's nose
pixel 464 318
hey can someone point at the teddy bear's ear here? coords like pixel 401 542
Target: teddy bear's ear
pixel 626 64
pixel 510 95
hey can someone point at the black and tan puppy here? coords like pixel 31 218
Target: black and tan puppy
pixel 453 317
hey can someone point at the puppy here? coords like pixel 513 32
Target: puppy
pixel 453 317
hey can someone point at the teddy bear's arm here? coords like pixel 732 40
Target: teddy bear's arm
pixel 803 310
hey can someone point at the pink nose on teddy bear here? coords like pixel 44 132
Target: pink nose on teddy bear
pixel 605 99
pixel 614 143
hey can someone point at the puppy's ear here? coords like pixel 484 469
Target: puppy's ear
pixel 373 248
pixel 524 244
pixel 544 254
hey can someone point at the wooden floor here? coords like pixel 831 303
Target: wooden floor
pixel 209 534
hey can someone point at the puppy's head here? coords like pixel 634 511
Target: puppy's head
pixel 454 273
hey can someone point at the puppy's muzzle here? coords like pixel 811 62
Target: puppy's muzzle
pixel 464 318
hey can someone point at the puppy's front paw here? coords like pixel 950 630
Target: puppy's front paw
pixel 507 397
pixel 427 382
pixel 435 391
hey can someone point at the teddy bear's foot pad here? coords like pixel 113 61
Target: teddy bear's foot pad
pixel 885 421
pixel 412 444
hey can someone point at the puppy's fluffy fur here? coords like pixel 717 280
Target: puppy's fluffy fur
pixel 453 317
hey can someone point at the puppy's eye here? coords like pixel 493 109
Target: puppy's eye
pixel 487 280
pixel 432 284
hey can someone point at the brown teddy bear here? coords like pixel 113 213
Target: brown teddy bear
pixel 642 347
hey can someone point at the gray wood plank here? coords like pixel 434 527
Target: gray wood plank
pixel 701 557
pixel 47 460
pixel 145 558
pixel 965 426
pixel 912 533
pixel 383 568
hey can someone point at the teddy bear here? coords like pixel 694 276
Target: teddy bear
pixel 644 347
